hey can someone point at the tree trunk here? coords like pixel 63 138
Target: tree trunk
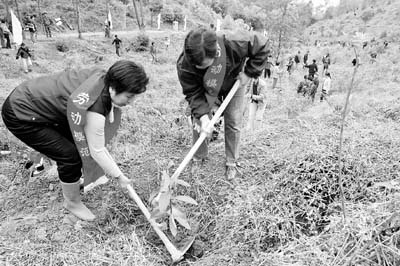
pixel 124 17
pixel 20 20
pixel 136 13
pixel 78 18
pixel 141 13
pixel 40 15
pixel 7 8
pixel 281 29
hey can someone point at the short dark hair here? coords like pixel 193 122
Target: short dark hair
pixel 126 76
pixel 199 44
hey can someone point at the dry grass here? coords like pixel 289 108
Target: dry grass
pixel 283 210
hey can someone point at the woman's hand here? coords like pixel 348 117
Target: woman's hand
pixel 124 181
pixel 205 121
pixel 244 79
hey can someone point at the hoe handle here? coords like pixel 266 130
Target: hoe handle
pixel 203 135
pixel 176 254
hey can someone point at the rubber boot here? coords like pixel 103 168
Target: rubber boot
pixel 73 203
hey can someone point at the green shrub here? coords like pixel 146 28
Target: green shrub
pixel 140 43
pixel 61 46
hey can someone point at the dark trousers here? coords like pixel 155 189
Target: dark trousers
pixel 48 31
pixel 117 50
pixel 8 43
pixel 267 73
pixel 55 142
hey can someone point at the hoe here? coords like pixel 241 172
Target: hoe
pixel 176 253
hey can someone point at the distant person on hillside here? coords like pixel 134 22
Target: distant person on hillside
pixel 276 74
pixel 290 66
pixel 107 30
pixel 70 117
pixel 304 86
pixel 6 33
pixel 326 86
pixel 153 52
pixel 373 56
pixel 297 58
pixel 31 25
pixel 314 86
pixel 385 44
pixel 326 61
pixel 355 61
pixel 117 43
pixel 2 40
pixel 256 94
pixel 24 53
pixel 167 43
pixel 47 22
pixel 305 58
pixel 312 68
pixel 208 67
pixel 212 27
pixel 268 67
pixel 365 44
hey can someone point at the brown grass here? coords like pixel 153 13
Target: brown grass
pixel 283 210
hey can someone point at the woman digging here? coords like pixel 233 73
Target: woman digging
pixel 70 116
pixel 207 69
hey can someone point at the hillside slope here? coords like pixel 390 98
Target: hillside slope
pixel 379 22
pixel 94 12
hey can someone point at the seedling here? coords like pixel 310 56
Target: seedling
pixel 166 203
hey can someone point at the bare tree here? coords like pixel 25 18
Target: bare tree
pixel 141 13
pixel 136 13
pixel 78 18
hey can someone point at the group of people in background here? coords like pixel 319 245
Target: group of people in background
pixel 309 86
pixel 29 25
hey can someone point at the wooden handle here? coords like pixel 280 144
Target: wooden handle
pixel 176 254
pixel 203 135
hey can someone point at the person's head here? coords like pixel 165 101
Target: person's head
pixel 200 47
pixel 116 36
pixel 314 61
pixel 125 79
pixel 152 43
pixel 327 74
pixel 23 44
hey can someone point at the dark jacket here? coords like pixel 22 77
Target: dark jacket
pixel 117 42
pixel 297 58
pixel 237 50
pixel 23 52
pixel 312 68
pixel 44 99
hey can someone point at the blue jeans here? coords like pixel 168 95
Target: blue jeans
pixel 233 115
